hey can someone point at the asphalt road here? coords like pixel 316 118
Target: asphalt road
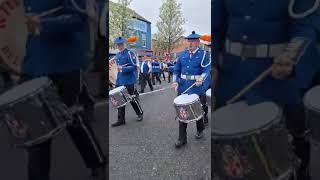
pixel 145 150
pixel 66 161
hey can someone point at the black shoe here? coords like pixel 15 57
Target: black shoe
pixel 179 143
pixel 140 117
pixel 118 123
pixel 98 173
pixel 199 135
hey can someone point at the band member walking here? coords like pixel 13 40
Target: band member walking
pixel 56 49
pixel 170 66
pixel 163 67
pixel 155 72
pixel 193 66
pixel 248 43
pixel 127 76
pixel 145 72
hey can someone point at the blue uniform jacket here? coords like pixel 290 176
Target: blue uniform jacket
pixel 155 66
pixel 198 64
pixel 145 66
pixel 62 45
pixel 128 60
pixel 170 67
pixel 263 22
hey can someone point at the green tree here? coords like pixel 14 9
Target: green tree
pixel 119 15
pixel 170 25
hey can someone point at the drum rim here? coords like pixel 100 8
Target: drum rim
pixel 124 87
pixel 246 133
pixel 198 99
pixel 27 96
pixel 309 105
pixel 276 120
pixel 117 107
pixel 192 120
pixel 54 132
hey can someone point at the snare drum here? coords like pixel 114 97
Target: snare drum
pixel 119 96
pixel 312 105
pixel 251 143
pixel 33 112
pixel 188 108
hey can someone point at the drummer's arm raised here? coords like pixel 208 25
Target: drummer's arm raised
pixel 70 19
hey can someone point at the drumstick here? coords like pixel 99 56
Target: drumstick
pixel 49 12
pixel 194 84
pixel 189 88
pixel 249 86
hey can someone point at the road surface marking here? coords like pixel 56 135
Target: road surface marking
pixel 162 89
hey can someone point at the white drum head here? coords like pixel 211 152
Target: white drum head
pixel 312 98
pixel 208 92
pixel 185 99
pixel 240 118
pixel 23 90
pixel 117 89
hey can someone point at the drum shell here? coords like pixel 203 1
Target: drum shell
pixel 36 118
pixel 121 97
pixel 313 124
pixel 275 147
pixel 312 114
pixel 193 109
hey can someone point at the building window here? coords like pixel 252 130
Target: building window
pixel 144 39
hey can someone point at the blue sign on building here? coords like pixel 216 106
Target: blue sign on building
pixel 141 29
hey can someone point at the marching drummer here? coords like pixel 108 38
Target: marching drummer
pixel 56 49
pixel 280 35
pixel 192 66
pixel 127 76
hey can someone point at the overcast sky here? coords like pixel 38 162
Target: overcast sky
pixel 196 12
